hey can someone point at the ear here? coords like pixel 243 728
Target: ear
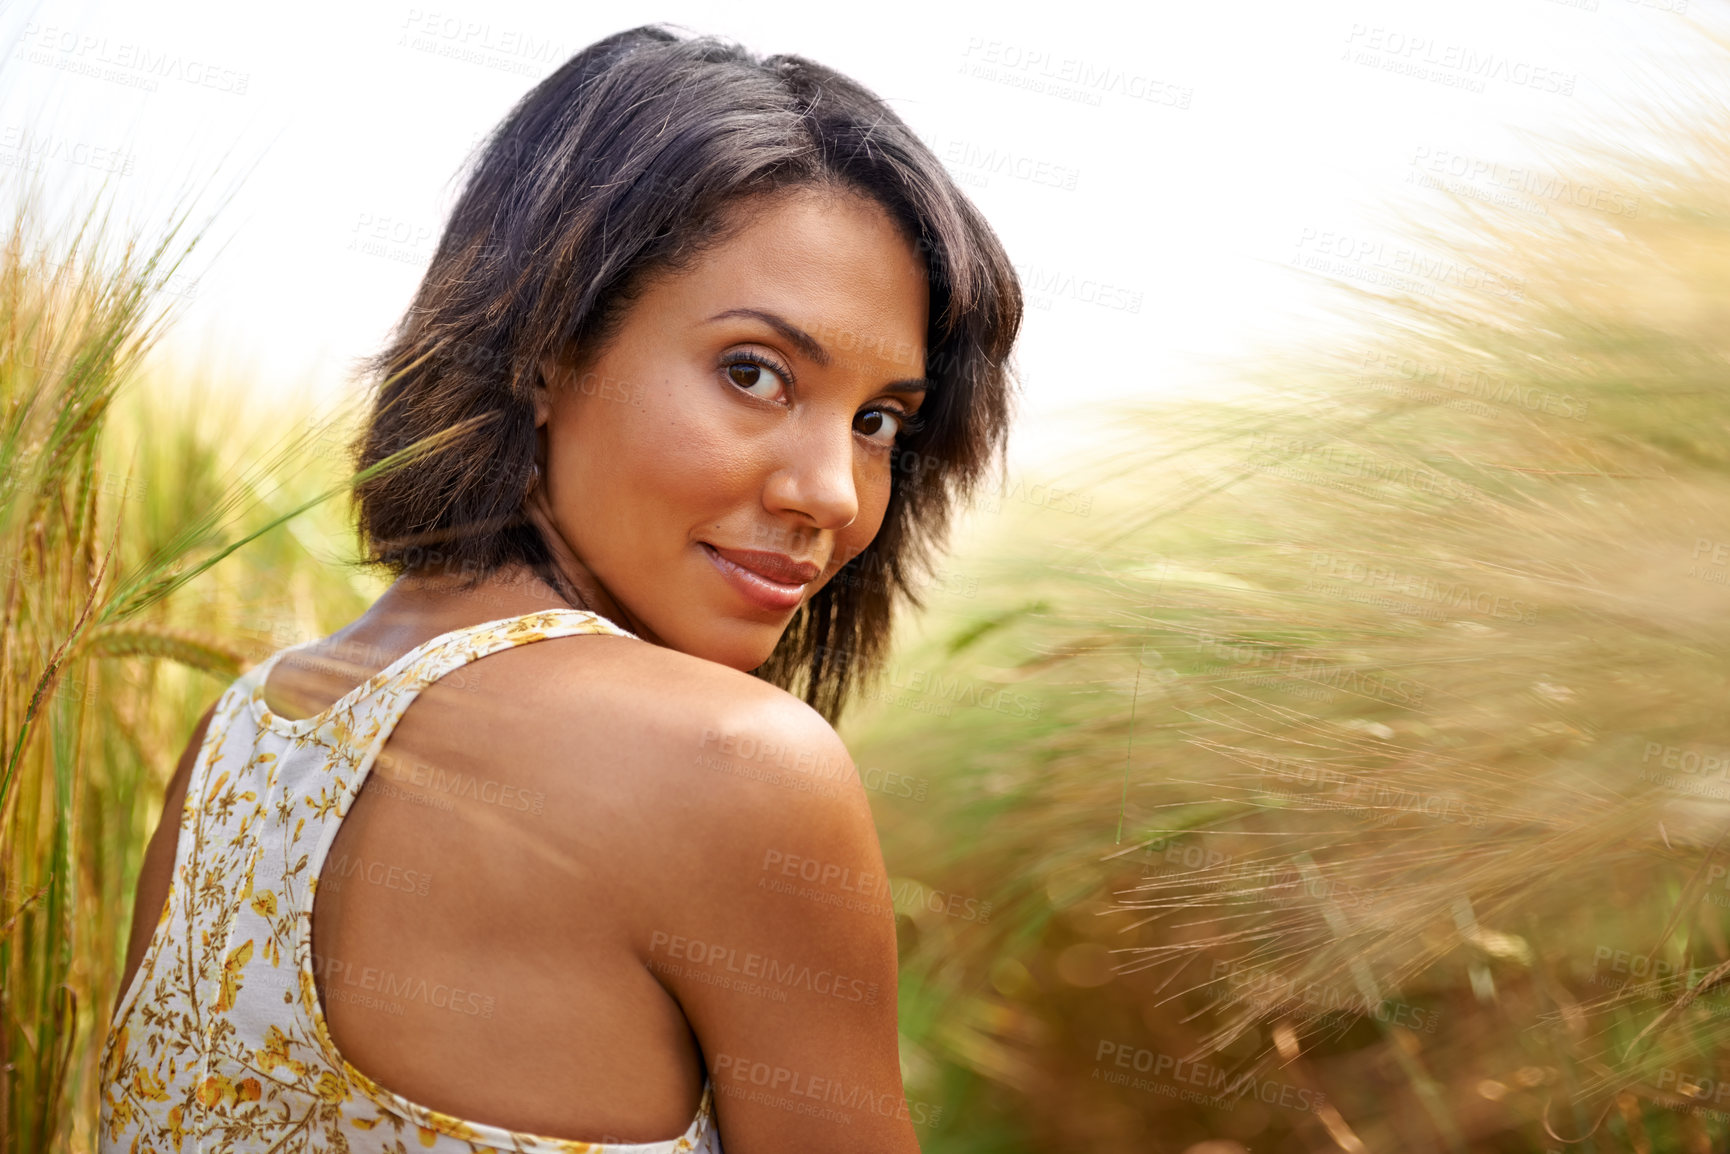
pixel 551 374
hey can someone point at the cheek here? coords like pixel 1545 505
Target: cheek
pixel 698 461
pixel 639 471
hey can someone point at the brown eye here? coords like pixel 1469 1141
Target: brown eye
pixel 871 423
pixel 744 371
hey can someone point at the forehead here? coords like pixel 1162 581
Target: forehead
pixel 834 264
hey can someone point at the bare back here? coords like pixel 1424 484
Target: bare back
pixel 505 835
pixel 538 835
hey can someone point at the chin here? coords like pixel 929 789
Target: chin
pixel 737 644
pixel 749 657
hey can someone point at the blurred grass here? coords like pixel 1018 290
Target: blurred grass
pixel 121 491
pixel 1327 752
pixel 1306 741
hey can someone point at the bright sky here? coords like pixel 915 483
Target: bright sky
pixel 1152 168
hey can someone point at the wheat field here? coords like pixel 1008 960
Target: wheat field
pixel 1341 767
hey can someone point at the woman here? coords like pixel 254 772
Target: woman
pixel 708 353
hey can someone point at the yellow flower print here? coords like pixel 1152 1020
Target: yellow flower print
pixel 331 1088
pixel 176 1126
pixel 219 1089
pixel 215 787
pixel 232 971
pixel 119 1115
pixel 275 1053
pixel 325 804
pixel 116 1049
pixel 308 994
pixel 265 904
pixel 214 1090
pixel 146 1084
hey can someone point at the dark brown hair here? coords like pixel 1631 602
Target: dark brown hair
pixel 623 164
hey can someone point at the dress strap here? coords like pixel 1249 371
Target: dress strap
pixel 449 651
pixel 352 732
pixel 403 680
pixel 381 699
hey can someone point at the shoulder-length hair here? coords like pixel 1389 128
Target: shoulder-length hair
pixel 620 165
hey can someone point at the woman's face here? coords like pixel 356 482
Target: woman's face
pixel 729 449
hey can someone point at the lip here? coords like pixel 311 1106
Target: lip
pixel 773 581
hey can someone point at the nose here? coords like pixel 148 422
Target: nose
pixel 813 475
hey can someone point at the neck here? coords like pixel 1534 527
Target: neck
pixel 508 592
pixel 575 584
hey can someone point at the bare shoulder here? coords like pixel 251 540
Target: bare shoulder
pixel 685 775
pixel 755 894
pixel 715 735
pixel 705 835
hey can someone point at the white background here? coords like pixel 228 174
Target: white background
pixel 335 133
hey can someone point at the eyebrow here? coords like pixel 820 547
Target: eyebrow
pixel 809 346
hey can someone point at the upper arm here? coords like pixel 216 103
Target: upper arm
pixel 776 935
pixel 157 870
